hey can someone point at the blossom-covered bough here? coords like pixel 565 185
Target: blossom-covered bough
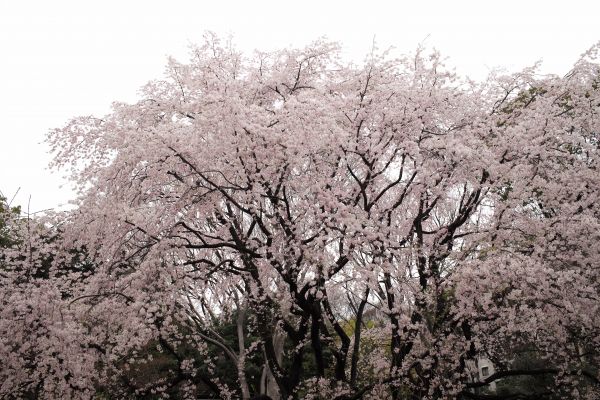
pixel 371 232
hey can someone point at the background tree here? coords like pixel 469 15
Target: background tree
pixel 7 212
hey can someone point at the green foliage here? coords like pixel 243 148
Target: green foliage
pixel 527 358
pixel 524 99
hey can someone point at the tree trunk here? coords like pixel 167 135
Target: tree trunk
pixel 268 385
pixel 242 354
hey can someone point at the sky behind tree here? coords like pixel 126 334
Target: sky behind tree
pixel 63 59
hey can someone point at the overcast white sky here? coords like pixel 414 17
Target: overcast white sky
pixel 61 59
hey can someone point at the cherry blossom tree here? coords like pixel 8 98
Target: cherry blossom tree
pixel 44 348
pixel 371 230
